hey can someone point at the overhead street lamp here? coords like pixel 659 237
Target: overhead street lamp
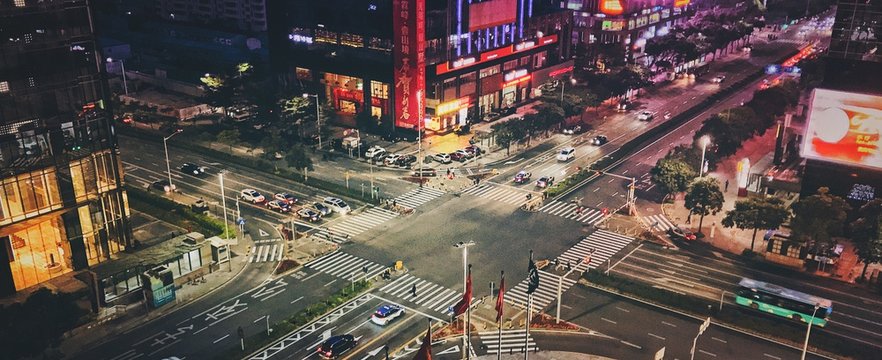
pixel 562 86
pixel 808 331
pixel 123 67
pixel 705 140
pixel 465 268
pixel 167 165
pixel 318 116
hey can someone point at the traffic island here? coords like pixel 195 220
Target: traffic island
pixel 733 317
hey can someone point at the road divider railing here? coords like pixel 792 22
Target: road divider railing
pixel 731 315
pixel 259 165
pixel 308 319
pixel 616 157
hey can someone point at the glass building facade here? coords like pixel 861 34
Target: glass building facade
pixel 62 205
pixel 855 30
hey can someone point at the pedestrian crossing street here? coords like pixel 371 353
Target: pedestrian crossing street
pixel 429 295
pixel 658 222
pixel 355 224
pixel 267 250
pixel 345 266
pixel 600 245
pixel 567 210
pixel 416 197
pixel 512 341
pixel 498 193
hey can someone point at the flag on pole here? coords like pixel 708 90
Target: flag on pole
pixel 425 351
pixel 499 298
pixel 466 300
pixel 532 276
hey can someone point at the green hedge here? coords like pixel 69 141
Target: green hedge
pixel 260 165
pixel 172 212
pixel 299 319
pixel 734 315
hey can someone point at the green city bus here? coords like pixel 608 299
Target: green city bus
pixel 776 300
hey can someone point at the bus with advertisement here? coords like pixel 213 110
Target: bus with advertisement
pixel 783 302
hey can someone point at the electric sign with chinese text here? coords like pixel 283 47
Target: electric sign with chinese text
pixel 409 58
pixel 844 127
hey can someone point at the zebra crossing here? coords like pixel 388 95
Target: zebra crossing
pixel 266 250
pixel 600 245
pixel 348 267
pixel 658 222
pixel 416 197
pixel 429 295
pixel 511 341
pixel 354 225
pixel 498 193
pixel 567 210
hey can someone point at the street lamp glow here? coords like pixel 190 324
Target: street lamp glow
pixel 705 140
pixel 318 116
pixel 122 65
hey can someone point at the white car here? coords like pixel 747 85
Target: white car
pixel 566 154
pixel 391 159
pixel 645 116
pixel 252 195
pixel 339 206
pixel 386 313
pixel 718 79
pixel 373 151
pixel 443 158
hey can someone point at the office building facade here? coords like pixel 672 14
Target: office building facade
pixel 62 204
pixel 446 63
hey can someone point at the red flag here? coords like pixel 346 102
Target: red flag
pixel 499 298
pixel 425 352
pixel 466 300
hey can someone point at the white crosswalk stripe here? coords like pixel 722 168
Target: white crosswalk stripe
pixel 544 295
pixel 429 296
pixel 270 250
pixel 499 193
pixel 416 197
pixel 355 224
pixel 511 341
pixel 348 267
pixel 659 222
pixel 567 210
pixel 601 245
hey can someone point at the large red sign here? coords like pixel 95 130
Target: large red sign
pixel 409 61
pixel 844 127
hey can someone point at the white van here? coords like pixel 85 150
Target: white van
pixel 566 154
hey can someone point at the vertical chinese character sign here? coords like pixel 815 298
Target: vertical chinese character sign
pixel 409 57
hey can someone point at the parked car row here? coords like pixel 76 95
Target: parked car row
pixel 284 203
pixel 461 155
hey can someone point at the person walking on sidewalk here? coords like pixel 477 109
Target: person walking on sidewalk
pixel 726 186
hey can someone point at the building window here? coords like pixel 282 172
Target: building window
pixel 325 36
pixel 38 253
pixel 4 87
pixel 467 83
pixel 31 81
pixel 379 90
pixel 525 61
pixel 510 65
pixel 20 3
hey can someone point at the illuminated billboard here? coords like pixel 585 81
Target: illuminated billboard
pixel 409 61
pixel 844 127
pixel 491 13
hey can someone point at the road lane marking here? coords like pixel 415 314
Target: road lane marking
pixel 707 353
pixel 720 340
pixel 608 320
pixel 358 326
pixel 772 356
pixel 221 338
pixel 595 190
pixel 332 281
pixel 622 309
pixel 258 319
pixel 163 348
pixel 566 306
pixel 623 259
pixel 669 324
pixel 656 336
pixel 200 330
pixel 296 300
pixel 632 345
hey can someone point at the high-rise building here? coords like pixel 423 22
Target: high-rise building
pixel 62 204
pixel 244 15
pixel 854 30
pixel 444 62
pixel 625 24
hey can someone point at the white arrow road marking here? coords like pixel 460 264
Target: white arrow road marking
pixel 454 349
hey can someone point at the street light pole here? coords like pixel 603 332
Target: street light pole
pixel 167 165
pixel 122 65
pixel 318 117
pixel 587 261
pixel 465 268
pixel 224 204
pixel 562 86
pixel 808 332
pixel 704 141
